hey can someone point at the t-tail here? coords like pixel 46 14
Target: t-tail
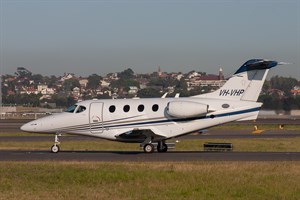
pixel 246 83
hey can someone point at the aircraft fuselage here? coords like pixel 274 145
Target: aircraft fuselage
pixel 109 119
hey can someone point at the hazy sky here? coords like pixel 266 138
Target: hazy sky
pixel 86 37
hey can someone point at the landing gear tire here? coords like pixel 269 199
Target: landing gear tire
pixel 162 147
pixel 149 148
pixel 55 149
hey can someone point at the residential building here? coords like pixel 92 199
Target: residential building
pixel 133 90
pixel 296 90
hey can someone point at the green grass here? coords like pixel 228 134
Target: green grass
pixel 251 126
pixel 245 144
pixel 176 180
pixel 20 133
pixel 248 127
pixel 96 144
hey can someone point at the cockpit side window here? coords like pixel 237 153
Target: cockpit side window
pixel 71 109
pixel 80 109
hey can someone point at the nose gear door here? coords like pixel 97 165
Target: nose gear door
pixel 96 117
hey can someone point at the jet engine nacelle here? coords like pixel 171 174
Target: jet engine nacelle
pixel 186 109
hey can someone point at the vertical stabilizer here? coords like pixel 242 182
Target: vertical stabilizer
pixel 246 83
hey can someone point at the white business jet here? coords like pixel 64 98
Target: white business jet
pixel 154 120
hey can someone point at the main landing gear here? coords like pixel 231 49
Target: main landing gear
pixel 55 147
pixel 149 148
pixel 161 147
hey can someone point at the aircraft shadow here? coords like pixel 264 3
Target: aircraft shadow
pixel 138 152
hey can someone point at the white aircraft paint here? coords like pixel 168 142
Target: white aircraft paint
pixel 152 120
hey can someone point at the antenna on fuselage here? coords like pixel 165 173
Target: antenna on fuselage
pixel 164 96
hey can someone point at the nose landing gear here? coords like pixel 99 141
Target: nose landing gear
pixel 55 147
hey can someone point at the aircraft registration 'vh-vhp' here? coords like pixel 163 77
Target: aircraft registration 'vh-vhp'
pixel 154 120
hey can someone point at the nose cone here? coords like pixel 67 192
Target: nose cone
pixel 30 127
pixel 24 127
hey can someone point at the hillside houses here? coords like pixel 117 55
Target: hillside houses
pixel 296 90
pixel 196 79
pixel 26 88
pixel 26 83
pixel 67 76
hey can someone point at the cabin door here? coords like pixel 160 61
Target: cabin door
pixel 96 117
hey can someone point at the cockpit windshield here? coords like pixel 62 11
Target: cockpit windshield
pixel 80 109
pixel 71 109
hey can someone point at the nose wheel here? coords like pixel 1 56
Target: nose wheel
pixel 55 148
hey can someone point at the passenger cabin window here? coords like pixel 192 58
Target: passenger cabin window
pixel 155 107
pixel 71 109
pixel 141 108
pixel 80 109
pixel 225 105
pixel 112 108
pixel 126 108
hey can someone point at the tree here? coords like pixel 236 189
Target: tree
pixel 267 101
pixel 94 81
pixel 23 99
pixel 163 82
pixel 126 74
pixel 51 82
pixel 181 84
pixel 62 100
pixel 297 102
pixel 70 84
pixel 38 78
pixel 125 83
pixel 283 83
pixel 148 93
pixel 266 86
pixel 4 90
pixel 104 96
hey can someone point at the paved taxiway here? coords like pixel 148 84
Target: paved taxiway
pixel 138 156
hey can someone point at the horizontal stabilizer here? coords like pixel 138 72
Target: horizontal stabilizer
pixel 256 64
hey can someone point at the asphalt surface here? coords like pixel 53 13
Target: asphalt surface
pixel 138 156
